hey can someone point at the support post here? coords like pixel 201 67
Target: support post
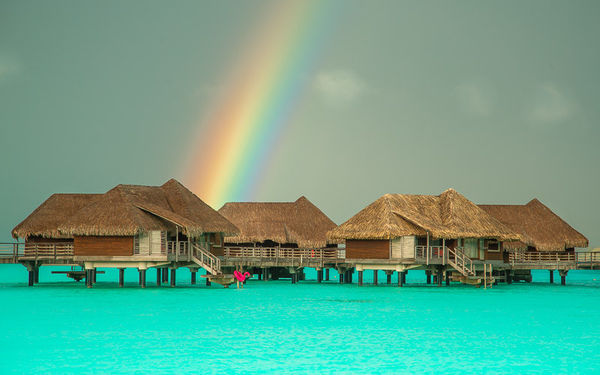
pixel 375 277
pixel 388 275
pixel 404 276
pixel 327 274
pixel 448 273
pixel 563 277
pixel 552 277
pixel 207 280
pixel 173 276
pixel 165 275
pixel 428 274
pixel 88 278
pixel 508 276
pixel 360 278
pixel 293 278
pixel 194 277
pixel 158 276
pixel 319 275
pixel 341 277
pixel 94 275
pixel 400 279
pixel 37 275
pixel 142 278
pixel 31 278
pixel 439 276
pixel 350 272
pixel 121 277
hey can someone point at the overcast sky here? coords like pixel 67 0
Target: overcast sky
pixel 498 100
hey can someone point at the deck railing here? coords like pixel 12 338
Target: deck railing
pixel 177 247
pixel 538 257
pixel 281 252
pixel 11 251
pixel 431 253
pixel 588 257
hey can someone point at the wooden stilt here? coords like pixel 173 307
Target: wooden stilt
pixel 173 276
pixel 121 277
pixel 350 274
pixel 327 274
pixel 428 274
pixel 508 277
pixel 293 278
pixel 31 278
pixel 448 273
pixel 341 275
pixel 158 276
pixel 142 278
pixel 404 277
pixel 563 277
pixel 88 278
pixel 37 275
pixel 375 277
pixel 165 275
pixel 360 278
pixel 400 279
pixel 439 276
pixel 319 275
pixel 551 276
pixel 94 275
pixel 207 281
pixel 194 277
pixel 388 275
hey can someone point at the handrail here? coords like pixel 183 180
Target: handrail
pixel 281 252
pixel 204 258
pixel 461 262
pixel 548 257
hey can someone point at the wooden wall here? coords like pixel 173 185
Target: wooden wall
pixel 103 246
pixel 367 249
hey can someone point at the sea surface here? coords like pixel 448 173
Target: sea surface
pixel 60 326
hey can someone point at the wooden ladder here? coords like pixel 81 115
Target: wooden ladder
pixel 206 260
pixel 461 262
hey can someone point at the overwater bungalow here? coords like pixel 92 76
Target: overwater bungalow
pixel 446 234
pixel 548 242
pixel 130 226
pixel 278 230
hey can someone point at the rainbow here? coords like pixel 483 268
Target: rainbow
pixel 237 138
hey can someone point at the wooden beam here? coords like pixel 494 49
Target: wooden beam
pixel 121 277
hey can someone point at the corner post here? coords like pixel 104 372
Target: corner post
pixel 121 277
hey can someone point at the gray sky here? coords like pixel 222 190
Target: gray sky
pixel 496 99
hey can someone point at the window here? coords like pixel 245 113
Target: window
pixel 491 246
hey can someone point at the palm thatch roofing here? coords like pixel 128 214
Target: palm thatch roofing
pixel 127 210
pixel 448 215
pixel 299 222
pixel 538 225
pixel 45 220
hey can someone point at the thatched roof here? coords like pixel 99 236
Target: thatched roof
pixel 127 210
pixel 448 215
pixel 299 222
pixel 45 220
pixel 539 226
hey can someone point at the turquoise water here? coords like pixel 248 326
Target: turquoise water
pixel 61 326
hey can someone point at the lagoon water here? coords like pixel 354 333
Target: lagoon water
pixel 61 326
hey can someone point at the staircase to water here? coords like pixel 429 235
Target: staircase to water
pixel 206 260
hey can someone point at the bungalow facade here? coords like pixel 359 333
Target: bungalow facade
pixel 402 231
pixel 546 239
pixel 130 226
pixel 279 230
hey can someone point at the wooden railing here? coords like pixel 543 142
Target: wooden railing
pixel 460 261
pixel 281 252
pixel 177 248
pixel 48 250
pixel 588 257
pixel 204 258
pixel 11 251
pixel 538 257
pixel 431 253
